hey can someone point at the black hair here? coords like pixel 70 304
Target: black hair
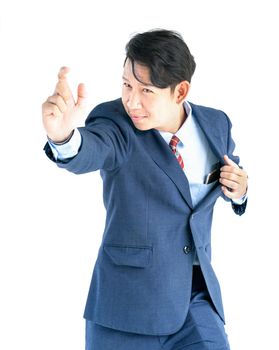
pixel 165 54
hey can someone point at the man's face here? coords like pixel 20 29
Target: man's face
pixel 148 106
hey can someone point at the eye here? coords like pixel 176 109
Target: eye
pixel 127 85
pixel 147 91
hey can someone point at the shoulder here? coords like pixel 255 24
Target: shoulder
pixel 110 112
pixel 114 106
pixel 210 115
pixel 209 111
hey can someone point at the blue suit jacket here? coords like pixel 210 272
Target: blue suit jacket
pixel 142 277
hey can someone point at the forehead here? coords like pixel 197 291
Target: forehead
pixel 137 71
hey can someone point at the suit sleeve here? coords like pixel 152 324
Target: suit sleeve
pixel 105 145
pixel 239 209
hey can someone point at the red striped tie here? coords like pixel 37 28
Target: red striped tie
pixel 173 143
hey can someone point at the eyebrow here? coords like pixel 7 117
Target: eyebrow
pixel 142 83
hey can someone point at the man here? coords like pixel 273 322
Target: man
pixel 164 162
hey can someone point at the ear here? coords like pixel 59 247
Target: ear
pixel 181 91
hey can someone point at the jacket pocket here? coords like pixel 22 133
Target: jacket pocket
pixel 135 256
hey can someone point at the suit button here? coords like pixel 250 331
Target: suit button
pixel 187 249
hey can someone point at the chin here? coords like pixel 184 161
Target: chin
pixel 142 124
pixel 142 127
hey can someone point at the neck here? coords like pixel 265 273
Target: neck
pixel 178 122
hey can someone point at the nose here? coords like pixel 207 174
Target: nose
pixel 133 101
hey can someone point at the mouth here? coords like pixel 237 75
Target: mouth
pixel 137 118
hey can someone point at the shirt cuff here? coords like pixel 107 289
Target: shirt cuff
pixel 66 150
pixel 241 200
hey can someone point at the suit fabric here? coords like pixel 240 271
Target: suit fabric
pixel 142 276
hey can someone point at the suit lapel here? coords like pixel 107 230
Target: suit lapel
pixel 214 133
pixel 210 126
pixel 160 152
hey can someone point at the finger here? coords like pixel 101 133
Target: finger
pixel 227 193
pixel 59 102
pixel 231 169
pixel 63 72
pixel 50 109
pixel 62 87
pixel 228 161
pixel 228 183
pixel 82 94
pixel 236 174
pixel 230 175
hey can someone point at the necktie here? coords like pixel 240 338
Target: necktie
pixel 173 144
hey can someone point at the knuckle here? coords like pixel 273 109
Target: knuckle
pixel 57 113
pixel 51 99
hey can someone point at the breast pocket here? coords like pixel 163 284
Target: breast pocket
pixel 134 256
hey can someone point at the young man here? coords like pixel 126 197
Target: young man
pixel 164 162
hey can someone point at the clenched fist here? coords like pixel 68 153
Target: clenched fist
pixel 233 179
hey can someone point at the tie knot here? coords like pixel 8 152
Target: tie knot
pixel 174 142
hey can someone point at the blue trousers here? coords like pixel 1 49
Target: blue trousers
pixel 203 329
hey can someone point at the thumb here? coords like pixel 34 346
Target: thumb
pixel 81 95
pixel 228 161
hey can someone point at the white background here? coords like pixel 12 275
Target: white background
pixel 51 221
